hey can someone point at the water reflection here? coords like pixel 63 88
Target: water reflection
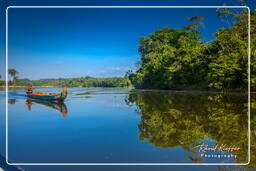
pixel 195 159
pixel 60 106
pixel 186 120
pixel 169 124
pixel 12 101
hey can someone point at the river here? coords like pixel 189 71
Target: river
pixel 118 125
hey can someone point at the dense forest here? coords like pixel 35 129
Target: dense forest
pixel 78 82
pixel 181 59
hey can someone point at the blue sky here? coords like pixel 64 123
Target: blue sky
pixel 53 43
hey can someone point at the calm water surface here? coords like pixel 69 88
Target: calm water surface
pixel 114 125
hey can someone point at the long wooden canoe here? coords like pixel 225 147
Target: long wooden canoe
pixel 49 96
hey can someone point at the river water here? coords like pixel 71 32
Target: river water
pixel 118 125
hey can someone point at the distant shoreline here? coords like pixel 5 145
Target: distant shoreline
pixel 174 90
pixel 33 86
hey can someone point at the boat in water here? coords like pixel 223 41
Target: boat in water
pixel 59 97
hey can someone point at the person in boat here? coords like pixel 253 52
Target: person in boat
pixel 60 97
pixel 29 89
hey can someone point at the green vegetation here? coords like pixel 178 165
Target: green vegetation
pixel 13 73
pixel 171 58
pixel 68 82
pixel 2 83
pixel 14 78
pixel 180 59
pixel 78 82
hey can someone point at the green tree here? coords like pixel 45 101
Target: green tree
pixel 253 50
pixel 178 59
pixel 171 58
pixel 13 73
pixel 229 67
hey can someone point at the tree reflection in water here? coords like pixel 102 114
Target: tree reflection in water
pixel 12 101
pixel 185 119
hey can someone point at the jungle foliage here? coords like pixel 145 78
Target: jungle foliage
pixel 178 59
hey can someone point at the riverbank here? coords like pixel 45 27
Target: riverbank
pixel 159 90
pixel 200 90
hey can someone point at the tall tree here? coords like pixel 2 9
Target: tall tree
pixel 229 69
pixel 13 73
pixel 170 58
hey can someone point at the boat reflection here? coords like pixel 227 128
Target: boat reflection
pixel 60 106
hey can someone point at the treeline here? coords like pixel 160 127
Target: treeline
pixel 68 82
pixel 77 82
pixel 73 82
pixel 180 58
pixel 14 77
